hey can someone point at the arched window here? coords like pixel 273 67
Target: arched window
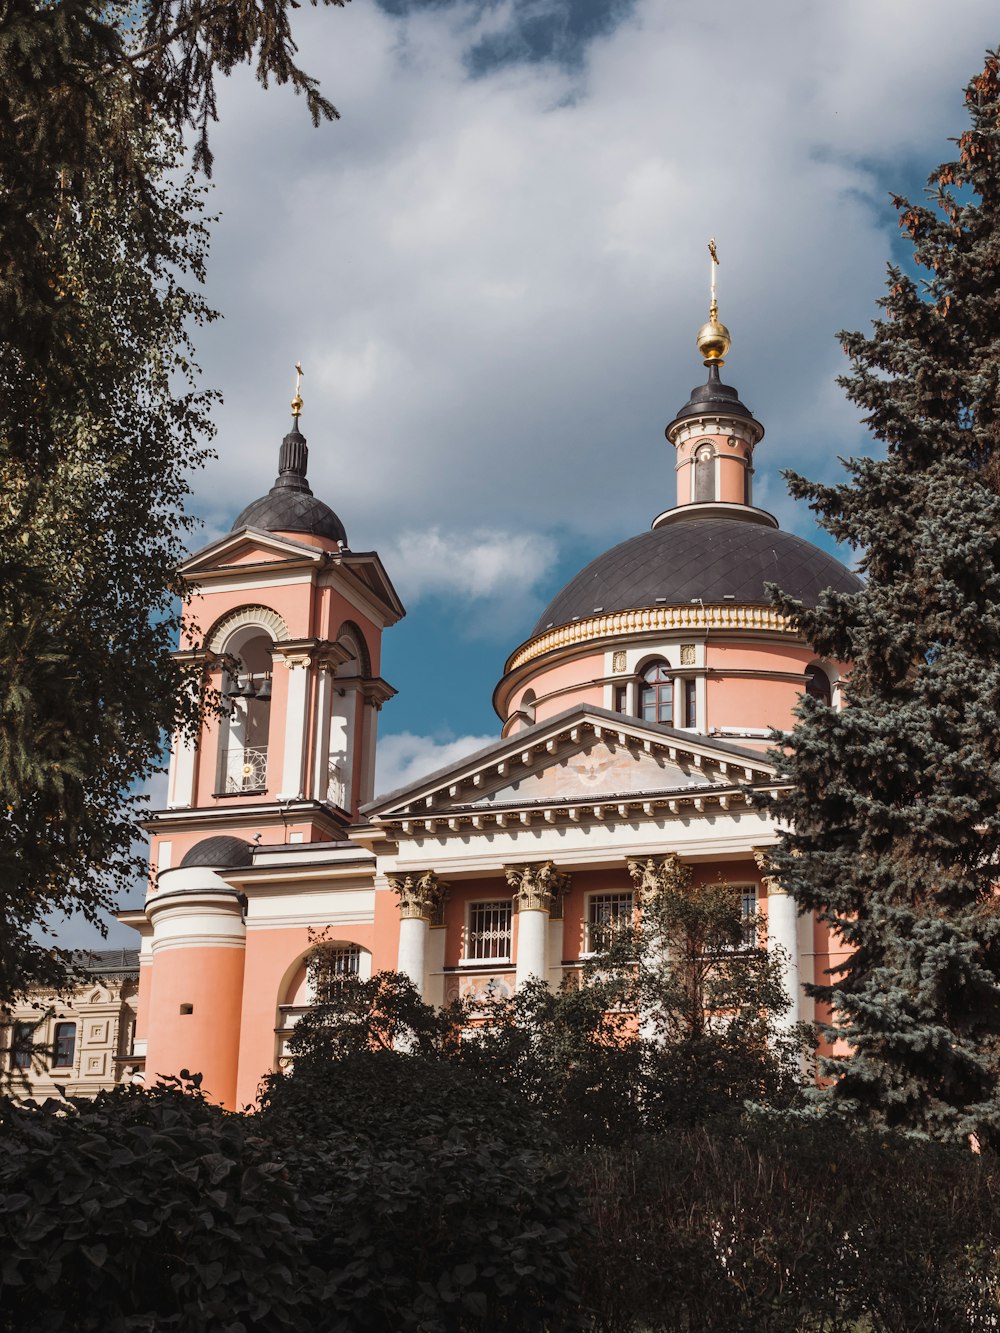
pixel 527 707
pixel 704 473
pixel 656 694
pixel 818 684
pixel 246 690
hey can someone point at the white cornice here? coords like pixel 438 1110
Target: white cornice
pixel 440 795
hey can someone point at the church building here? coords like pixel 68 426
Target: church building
pixel 633 726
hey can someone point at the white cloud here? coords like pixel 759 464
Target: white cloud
pixel 494 283
pixel 406 758
pixel 486 563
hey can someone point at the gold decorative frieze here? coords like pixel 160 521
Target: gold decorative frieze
pixel 725 616
pixel 536 886
pixel 420 894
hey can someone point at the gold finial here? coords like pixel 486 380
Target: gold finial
pixel 297 400
pixel 713 338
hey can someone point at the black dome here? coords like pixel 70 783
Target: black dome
pixel 219 853
pixel 706 559
pixel 290 506
pixel 292 511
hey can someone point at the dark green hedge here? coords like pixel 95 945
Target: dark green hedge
pixel 419 1200
pixel 791 1226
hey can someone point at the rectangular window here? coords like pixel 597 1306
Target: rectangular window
pixel 621 698
pixel 748 910
pixel 690 703
pixel 64 1046
pixel 489 930
pixel 22 1045
pixel 607 914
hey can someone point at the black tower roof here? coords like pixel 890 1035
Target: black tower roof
pixel 290 506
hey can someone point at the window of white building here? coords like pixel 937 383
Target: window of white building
pixel 607 915
pixel 488 931
pixel 64 1046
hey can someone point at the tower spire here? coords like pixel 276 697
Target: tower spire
pixel 713 340
pixel 297 400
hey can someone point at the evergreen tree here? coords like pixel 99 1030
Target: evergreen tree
pixel 102 248
pixel 895 808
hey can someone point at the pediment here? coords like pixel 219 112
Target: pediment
pixel 367 568
pixel 585 759
pixel 249 547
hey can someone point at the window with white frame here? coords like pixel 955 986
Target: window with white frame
pixel 607 915
pixel 488 930
pixel 656 694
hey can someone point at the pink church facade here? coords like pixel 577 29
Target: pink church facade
pixel 633 725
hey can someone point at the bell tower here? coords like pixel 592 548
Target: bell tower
pixel 285 622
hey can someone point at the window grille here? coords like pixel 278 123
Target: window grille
pixel 245 768
pixel 64 1046
pixel 607 915
pixel 489 930
pixel 334 964
pixel 748 911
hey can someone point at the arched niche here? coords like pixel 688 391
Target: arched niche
pixel 820 683
pixel 704 473
pixel 296 990
pixel 246 644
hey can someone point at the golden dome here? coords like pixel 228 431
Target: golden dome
pixel 714 341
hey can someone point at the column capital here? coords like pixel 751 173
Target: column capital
pixel 536 885
pixel 762 856
pixel 654 875
pixel 420 894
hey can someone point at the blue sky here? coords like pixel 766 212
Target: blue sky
pixel 493 267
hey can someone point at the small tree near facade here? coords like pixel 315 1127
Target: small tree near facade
pixel 895 807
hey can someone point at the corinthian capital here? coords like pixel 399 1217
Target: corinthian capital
pixel 535 886
pixel 768 878
pixel 654 875
pixel 420 894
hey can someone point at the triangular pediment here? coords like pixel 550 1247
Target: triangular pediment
pixel 583 758
pixel 248 548
pixel 367 568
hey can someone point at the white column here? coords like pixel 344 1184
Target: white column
pixel 783 941
pixel 532 939
pixel 420 895
pixel 534 888
pixel 296 714
pixel 413 932
pixel 321 740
